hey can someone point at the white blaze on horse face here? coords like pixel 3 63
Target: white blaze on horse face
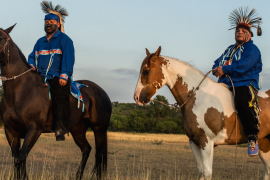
pixel 138 90
pixel 263 94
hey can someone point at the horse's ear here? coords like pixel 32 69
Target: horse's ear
pixel 147 52
pixel 8 30
pixel 157 53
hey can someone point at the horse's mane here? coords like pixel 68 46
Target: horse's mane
pixel 22 56
pixel 192 66
pixel 186 63
pixel 20 53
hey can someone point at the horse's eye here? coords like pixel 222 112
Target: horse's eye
pixel 146 72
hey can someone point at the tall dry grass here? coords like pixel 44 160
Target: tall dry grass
pixel 131 156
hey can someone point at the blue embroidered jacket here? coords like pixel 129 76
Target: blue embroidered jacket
pixel 245 66
pixel 53 58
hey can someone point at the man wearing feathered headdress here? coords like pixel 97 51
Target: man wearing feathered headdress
pixel 242 62
pixel 53 58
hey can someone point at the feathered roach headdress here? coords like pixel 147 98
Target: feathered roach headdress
pixel 241 18
pixel 61 12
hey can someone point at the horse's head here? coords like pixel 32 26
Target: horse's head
pixel 151 77
pixel 4 40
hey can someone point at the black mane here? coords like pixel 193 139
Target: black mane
pixel 22 56
pixel 20 53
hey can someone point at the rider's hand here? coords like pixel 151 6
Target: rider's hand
pixel 62 82
pixel 33 67
pixel 218 72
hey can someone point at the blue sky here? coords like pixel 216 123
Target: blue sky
pixel 110 37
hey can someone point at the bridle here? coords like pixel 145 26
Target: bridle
pixel 2 49
pixel 6 43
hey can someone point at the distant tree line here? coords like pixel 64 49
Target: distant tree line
pixel 152 118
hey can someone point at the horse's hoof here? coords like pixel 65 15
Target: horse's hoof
pixel 60 138
pixel 16 161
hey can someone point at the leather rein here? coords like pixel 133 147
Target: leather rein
pixel 2 49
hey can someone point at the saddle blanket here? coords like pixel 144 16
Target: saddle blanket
pixel 75 91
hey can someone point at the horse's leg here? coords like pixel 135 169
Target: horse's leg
pixel 78 132
pixel 30 139
pixel 207 157
pixel 14 143
pixel 264 146
pixel 198 157
pixel 101 152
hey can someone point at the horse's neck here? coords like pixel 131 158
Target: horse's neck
pixel 14 65
pixel 181 79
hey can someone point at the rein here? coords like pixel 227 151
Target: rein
pixel 2 49
pixel 14 77
pixel 234 126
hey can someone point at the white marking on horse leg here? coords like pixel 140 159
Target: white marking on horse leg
pixel 207 157
pixel 198 157
pixel 265 157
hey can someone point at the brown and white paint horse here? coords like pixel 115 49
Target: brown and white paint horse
pixel 208 116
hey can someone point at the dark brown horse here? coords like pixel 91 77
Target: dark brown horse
pixel 26 111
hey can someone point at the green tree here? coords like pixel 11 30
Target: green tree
pixel 160 127
pixel 157 109
pixel 169 125
pixel 150 124
pixel 147 118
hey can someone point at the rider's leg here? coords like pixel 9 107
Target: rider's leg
pixel 60 106
pixel 242 97
pixel 249 121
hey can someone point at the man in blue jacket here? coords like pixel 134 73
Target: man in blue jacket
pixel 53 58
pixel 242 62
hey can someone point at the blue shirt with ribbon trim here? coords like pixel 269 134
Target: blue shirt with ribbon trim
pixel 54 57
pixel 244 67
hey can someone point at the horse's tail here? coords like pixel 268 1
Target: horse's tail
pixel 101 158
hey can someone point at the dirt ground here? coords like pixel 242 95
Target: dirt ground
pixel 131 156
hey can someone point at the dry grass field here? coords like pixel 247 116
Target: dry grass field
pixel 131 156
